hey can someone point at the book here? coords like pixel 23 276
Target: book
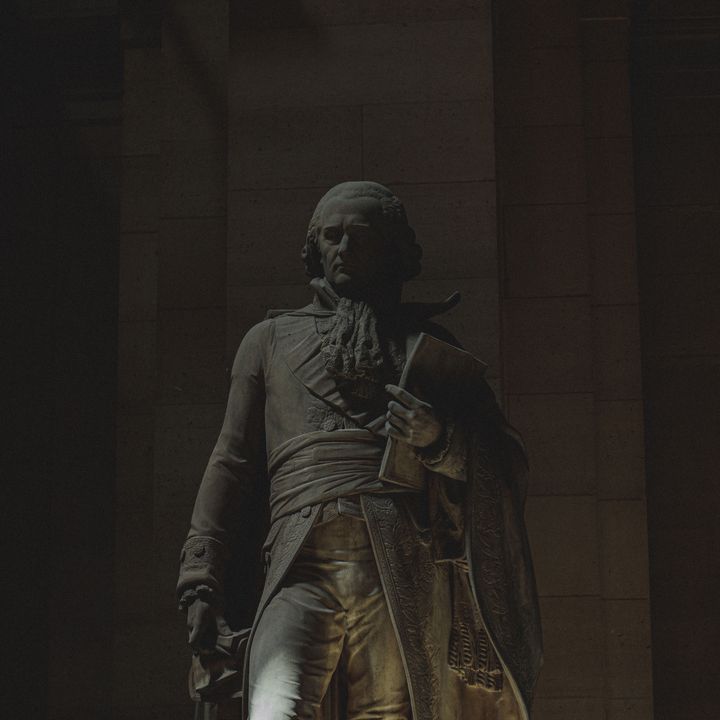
pixel 444 376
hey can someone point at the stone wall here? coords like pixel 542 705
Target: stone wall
pixel 677 138
pixel 399 94
pixel 570 344
pixel 235 124
pixel 59 133
pixel 237 117
pixel 172 332
pixel 227 107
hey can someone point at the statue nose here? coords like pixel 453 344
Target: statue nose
pixel 344 245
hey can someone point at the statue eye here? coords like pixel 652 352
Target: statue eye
pixel 332 234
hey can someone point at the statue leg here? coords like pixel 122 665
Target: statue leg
pixel 296 649
pixel 375 675
pixel 331 610
pixel 376 684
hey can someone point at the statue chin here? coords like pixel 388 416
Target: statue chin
pixel 342 282
pixel 380 289
pixel 346 286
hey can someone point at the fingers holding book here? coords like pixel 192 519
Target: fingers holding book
pixel 410 419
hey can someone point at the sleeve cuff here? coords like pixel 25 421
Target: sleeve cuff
pixel 446 456
pixel 202 562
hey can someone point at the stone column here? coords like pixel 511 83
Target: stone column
pixel 570 345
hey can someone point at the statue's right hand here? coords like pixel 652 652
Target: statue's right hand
pixel 201 625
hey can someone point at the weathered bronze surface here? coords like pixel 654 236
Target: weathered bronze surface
pixel 381 598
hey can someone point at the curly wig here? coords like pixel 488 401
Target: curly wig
pixel 394 226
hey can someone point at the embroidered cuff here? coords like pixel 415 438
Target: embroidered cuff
pixel 436 452
pixel 202 562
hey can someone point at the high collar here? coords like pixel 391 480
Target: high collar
pixel 325 295
pixel 327 299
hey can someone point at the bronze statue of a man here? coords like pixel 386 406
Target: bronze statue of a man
pixel 380 599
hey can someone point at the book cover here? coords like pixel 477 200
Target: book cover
pixel 442 375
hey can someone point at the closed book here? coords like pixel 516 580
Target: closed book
pixel 444 376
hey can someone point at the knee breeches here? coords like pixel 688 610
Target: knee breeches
pixel 330 615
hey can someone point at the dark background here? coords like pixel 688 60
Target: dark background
pixel 62 120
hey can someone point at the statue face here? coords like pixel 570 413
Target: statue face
pixel 355 255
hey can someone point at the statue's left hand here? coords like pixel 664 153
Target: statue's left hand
pixel 410 419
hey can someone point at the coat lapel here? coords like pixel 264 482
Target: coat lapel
pixel 304 360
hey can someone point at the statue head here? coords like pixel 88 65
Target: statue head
pixel 359 240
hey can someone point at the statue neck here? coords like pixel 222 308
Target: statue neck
pixel 384 300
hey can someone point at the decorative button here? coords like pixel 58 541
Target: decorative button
pixel 305 512
pixel 199 552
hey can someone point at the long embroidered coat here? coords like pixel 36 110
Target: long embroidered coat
pixel 454 563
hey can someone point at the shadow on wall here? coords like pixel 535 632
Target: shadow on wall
pixel 61 257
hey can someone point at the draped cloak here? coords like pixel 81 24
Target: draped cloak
pixel 454 560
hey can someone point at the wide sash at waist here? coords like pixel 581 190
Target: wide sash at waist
pixel 322 466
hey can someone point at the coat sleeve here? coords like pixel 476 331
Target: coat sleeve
pixel 237 461
pixel 447 456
